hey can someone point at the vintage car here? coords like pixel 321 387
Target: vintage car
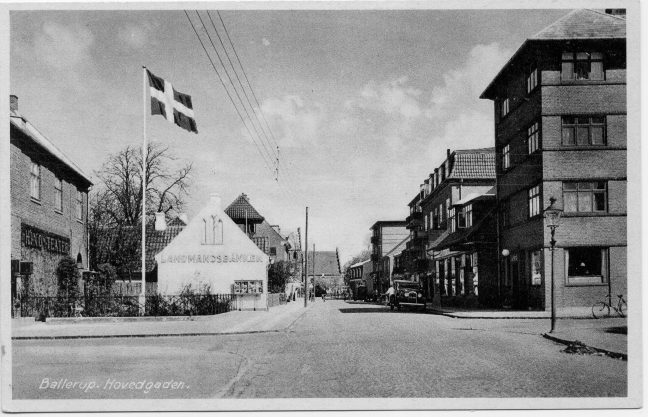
pixel 407 294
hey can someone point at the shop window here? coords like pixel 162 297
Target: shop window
pixel 533 138
pixel 585 196
pixel 582 66
pixel 35 181
pixel 587 265
pixel 79 205
pixel 58 194
pixel 506 157
pixel 583 130
pixel 534 201
pixel 248 287
pixel 532 80
pixel 536 267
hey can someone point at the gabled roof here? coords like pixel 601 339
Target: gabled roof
pixel 20 123
pixel 326 263
pixel 474 164
pixel 240 209
pixel 584 24
pixel 130 237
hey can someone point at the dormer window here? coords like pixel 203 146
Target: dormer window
pixel 582 66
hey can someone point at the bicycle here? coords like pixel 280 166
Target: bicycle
pixel 602 308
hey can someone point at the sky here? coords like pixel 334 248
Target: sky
pixel 362 104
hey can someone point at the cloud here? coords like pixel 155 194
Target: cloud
pixel 63 47
pixel 392 98
pixel 265 42
pixel 462 86
pixel 293 121
pixel 134 36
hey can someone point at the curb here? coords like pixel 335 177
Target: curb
pixel 143 335
pixel 615 355
pixel 459 315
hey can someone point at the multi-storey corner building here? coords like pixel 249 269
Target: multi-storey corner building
pixel 560 132
pixel 49 208
pixel 386 234
pixel 464 174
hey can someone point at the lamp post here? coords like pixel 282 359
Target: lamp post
pixel 552 219
pixel 503 300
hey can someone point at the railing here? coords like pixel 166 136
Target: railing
pixel 276 299
pixel 90 305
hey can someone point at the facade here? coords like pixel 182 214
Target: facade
pixel 466 267
pixel 266 236
pixel 560 131
pixel 389 261
pixel 464 173
pixel 324 269
pixel 49 209
pixel 386 234
pixel 360 274
pixel 213 251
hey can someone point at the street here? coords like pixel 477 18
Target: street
pixel 336 349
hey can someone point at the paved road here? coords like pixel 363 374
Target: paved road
pixel 336 349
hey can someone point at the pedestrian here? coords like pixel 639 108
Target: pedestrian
pixel 323 294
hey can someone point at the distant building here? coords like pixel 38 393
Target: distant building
pixel 560 131
pixel 360 274
pixel 49 208
pixel 325 266
pixel 266 236
pixel 463 173
pixel 385 235
pixel 390 267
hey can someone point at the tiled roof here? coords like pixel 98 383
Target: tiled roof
pixel 177 222
pixel 326 263
pixel 130 237
pixel 584 24
pixel 20 123
pixel 241 208
pixel 477 163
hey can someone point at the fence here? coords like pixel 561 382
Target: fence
pixel 276 299
pixel 90 305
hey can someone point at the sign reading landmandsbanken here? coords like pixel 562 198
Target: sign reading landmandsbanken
pixel 202 258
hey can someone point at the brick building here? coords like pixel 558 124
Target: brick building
pixel 49 208
pixel 386 234
pixel 463 173
pixel 560 131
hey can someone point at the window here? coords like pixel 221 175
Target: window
pixel 532 80
pixel 536 267
pixel 79 205
pixel 58 194
pixel 273 251
pixel 582 66
pixel 440 214
pixel 534 201
pixel 464 217
pixel 35 181
pixel 447 207
pixel 426 222
pixel 533 137
pixel 451 220
pixel 435 219
pixel 586 265
pixel 504 107
pixel 506 157
pixel 583 130
pixel 585 196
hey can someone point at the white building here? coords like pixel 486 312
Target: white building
pixel 213 251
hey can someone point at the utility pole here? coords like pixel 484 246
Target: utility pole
pixel 306 262
pixel 314 295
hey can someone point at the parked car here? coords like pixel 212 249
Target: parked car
pixel 407 294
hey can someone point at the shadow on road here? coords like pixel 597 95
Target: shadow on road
pixel 365 310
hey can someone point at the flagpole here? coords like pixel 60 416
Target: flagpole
pixel 142 297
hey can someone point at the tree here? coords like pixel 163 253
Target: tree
pixel 278 275
pixel 67 274
pixel 116 203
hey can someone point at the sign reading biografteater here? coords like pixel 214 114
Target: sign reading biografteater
pixel 213 251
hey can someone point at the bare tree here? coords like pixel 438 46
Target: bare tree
pixel 116 202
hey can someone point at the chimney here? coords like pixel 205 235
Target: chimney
pixel 160 222
pixel 184 218
pixel 13 102
pixel 215 200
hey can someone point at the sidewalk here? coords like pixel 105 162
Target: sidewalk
pixel 276 319
pixel 575 324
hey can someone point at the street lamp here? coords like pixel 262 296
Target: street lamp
pixel 552 219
